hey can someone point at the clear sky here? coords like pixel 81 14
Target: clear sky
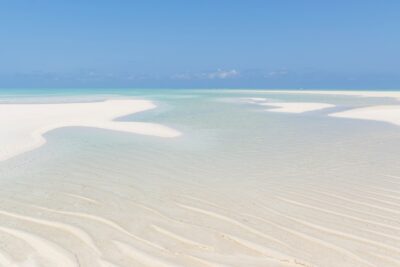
pixel 200 44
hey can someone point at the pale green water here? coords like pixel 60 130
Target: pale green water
pixel 223 142
pixel 236 150
pixel 219 131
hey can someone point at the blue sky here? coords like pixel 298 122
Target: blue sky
pixel 200 44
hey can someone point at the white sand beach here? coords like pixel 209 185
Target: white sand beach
pixel 384 113
pixel 242 189
pixel 387 113
pixel 23 125
pixel 390 94
pixel 199 133
pixel 297 107
pixel 287 107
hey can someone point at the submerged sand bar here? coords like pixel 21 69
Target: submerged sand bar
pixel 287 107
pixel 248 189
pixel 297 107
pixel 385 113
pixel 389 94
pixel 22 126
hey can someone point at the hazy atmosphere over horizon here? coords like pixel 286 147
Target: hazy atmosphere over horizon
pixel 200 44
pixel 203 133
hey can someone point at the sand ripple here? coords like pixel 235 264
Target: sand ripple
pixel 201 232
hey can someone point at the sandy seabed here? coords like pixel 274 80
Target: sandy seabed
pixel 23 125
pixel 385 113
pixel 93 220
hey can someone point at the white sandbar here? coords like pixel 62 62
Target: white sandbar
pixel 389 94
pixel 23 125
pixel 385 113
pixel 297 107
pixel 289 107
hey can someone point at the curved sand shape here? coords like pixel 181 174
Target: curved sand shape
pixel 385 113
pixel 389 94
pixel 289 107
pixel 297 107
pixel 23 125
pixel 53 253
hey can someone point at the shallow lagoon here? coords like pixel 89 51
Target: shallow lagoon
pixel 243 186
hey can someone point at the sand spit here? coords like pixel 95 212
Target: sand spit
pixel 292 204
pixel 288 107
pixel 23 125
pixel 385 113
pixel 390 94
pixel 297 107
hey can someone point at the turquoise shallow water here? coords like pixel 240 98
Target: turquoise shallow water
pixel 216 125
pixel 234 158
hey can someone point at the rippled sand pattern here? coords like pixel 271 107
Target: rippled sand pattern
pixel 251 190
